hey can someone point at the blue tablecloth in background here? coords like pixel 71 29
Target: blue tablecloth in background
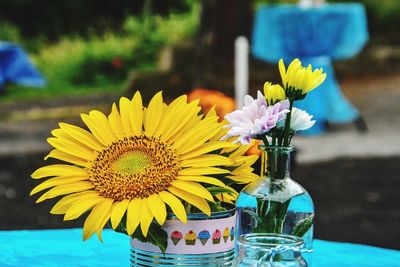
pixel 16 67
pixel 316 36
pixel 45 248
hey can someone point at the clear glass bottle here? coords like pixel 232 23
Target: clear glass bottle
pixel 269 250
pixel 275 203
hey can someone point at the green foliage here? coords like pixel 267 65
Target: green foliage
pixel 55 19
pixel 108 58
pixel 80 64
pixel 9 32
pixel 156 236
pixel 303 226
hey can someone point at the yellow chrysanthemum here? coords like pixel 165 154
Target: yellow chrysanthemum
pixel 273 93
pixel 135 162
pixel 298 80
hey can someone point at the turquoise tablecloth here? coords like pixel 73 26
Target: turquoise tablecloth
pixel 316 36
pixel 64 248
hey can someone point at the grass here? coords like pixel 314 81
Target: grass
pixel 14 93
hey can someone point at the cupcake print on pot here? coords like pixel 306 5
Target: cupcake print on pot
pixel 204 236
pixel 176 236
pixel 216 237
pixel 226 234
pixel 190 238
pixel 232 233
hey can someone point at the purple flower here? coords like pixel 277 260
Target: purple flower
pixel 255 118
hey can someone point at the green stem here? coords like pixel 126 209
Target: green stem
pixel 265 140
pixel 287 125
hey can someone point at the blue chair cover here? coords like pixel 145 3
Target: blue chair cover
pixel 316 36
pixel 16 67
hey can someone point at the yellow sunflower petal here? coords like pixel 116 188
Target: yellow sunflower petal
pixel 202 171
pixel 241 150
pixel 196 201
pixel 81 135
pixel 133 215
pixel 197 136
pixel 182 117
pixel 125 110
pixel 194 188
pixel 102 224
pixel 207 160
pixel 103 126
pixel 173 116
pixel 64 203
pixel 58 154
pixel 175 204
pixel 80 207
pixel 201 179
pixel 72 148
pixel 58 170
pixel 56 181
pixel 65 189
pixel 146 217
pixel 115 122
pixel 207 148
pixel 153 114
pixel 188 125
pixel 101 129
pixel 157 208
pixel 136 114
pixel 118 211
pixel 94 220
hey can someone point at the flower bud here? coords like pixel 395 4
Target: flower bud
pixel 274 93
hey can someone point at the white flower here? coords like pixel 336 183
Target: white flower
pixel 255 118
pixel 300 120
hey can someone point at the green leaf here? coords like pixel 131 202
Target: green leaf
pixel 214 190
pixel 303 226
pixel 156 236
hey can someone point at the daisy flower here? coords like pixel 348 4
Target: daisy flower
pixel 256 118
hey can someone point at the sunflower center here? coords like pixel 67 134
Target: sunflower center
pixel 134 167
pixel 132 162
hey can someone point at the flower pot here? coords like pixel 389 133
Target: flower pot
pixel 202 241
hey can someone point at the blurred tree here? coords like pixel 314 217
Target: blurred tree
pixel 220 23
pixel 55 18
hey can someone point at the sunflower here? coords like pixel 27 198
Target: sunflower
pixel 135 164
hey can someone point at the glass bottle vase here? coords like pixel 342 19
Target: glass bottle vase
pixel 275 203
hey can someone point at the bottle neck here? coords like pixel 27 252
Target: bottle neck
pixel 275 162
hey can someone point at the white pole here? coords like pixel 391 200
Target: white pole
pixel 241 70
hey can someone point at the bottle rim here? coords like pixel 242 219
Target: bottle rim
pixel 267 241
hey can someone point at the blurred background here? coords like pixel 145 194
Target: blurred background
pixel 84 55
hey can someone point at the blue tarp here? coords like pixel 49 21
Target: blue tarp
pixel 15 67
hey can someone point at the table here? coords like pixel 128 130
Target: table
pixel 64 247
pixel 16 67
pixel 316 36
